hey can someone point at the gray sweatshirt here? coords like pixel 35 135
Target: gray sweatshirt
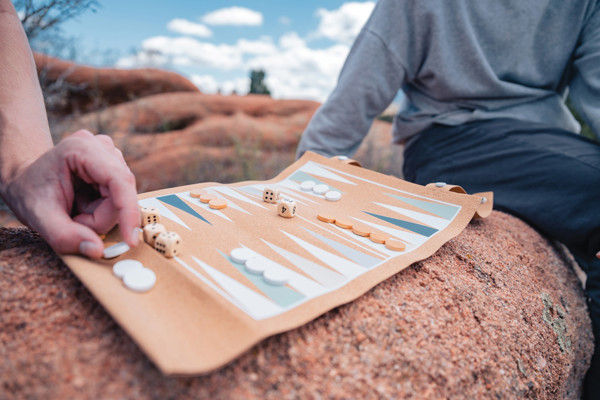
pixel 464 60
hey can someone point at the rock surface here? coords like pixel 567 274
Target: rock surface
pixel 496 313
pixel 174 139
pixel 79 88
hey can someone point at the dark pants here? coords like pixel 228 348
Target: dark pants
pixel 548 177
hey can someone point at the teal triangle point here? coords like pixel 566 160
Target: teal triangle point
pixel 175 201
pixel 411 226
pixel 301 176
pixel 282 295
pixel 445 211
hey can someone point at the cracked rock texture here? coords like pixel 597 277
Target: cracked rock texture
pixel 497 312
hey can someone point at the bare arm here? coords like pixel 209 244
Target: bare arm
pixel 24 132
pixel 69 192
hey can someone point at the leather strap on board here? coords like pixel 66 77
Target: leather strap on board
pixel 487 198
pixel 347 160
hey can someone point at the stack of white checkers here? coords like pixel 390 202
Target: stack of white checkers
pixel 258 265
pixel 134 275
pixel 322 189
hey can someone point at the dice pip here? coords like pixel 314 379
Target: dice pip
pixel 151 232
pixel 271 195
pixel 169 244
pixel 286 208
pixel 150 215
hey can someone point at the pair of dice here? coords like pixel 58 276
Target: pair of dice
pixel 169 244
pixel 285 207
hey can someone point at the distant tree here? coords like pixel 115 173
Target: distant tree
pixel 39 16
pixel 257 82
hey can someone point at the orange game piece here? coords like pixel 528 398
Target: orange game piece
pixel 207 197
pixel 196 193
pixel 326 218
pixel 395 245
pixel 361 230
pixel 344 223
pixel 379 237
pixel 217 204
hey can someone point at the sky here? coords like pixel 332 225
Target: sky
pixel 301 45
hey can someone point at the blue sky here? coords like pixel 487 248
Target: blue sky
pixel 301 44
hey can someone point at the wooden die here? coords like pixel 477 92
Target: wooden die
pixel 151 232
pixel 150 215
pixel 286 208
pixel 169 244
pixel 271 195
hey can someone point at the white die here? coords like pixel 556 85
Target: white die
pixel 271 195
pixel 150 215
pixel 287 208
pixel 151 232
pixel 169 244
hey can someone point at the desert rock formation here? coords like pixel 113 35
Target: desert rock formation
pixel 174 139
pixel 75 88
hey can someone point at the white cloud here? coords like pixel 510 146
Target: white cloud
pixel 197 53
pixel 143 59
pixel 290 40
pixel 235 16
pixel 344 24
pixel 237 85
pixel 209 85
pixel 186 27
pixel 262 46
pixel 301 72
pixel 206 83
pixel 293 70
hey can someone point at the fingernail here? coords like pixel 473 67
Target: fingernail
pixel 88 248
pixel 135 236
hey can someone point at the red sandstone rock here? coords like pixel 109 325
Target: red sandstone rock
pixel 496 313
pixel 180 138
pixel 82 88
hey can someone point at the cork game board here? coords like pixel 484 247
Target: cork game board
pixel 206 309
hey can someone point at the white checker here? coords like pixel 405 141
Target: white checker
pixel 333 195
pixel 342 158
pixel 307 185
pixel 256 266
pixel 276 276
pixel 115 250
pixel 440 184
pixel 321 188
pixel 241 255
pixel 140 280
pixel 121 268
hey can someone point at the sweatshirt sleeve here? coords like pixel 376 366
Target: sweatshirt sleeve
pixel 585 83
pixel 368 82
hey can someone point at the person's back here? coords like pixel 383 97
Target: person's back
pixel 463 61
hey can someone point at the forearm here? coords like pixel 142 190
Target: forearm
pixel 24 131
pixel 368 83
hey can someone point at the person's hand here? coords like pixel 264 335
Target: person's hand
pixel 80 188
